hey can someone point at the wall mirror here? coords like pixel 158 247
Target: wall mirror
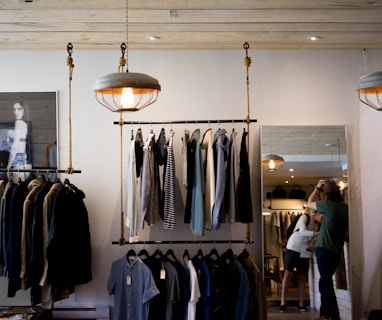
pixel 309 153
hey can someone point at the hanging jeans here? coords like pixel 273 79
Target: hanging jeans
pixel 327 263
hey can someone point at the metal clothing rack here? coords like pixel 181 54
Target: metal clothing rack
pixel 189 121
pixel 40 170
pixel 158 242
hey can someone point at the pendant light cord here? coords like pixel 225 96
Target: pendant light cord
pixel 127 34
pixel 247 64
pixel 364 61
pixel 69 62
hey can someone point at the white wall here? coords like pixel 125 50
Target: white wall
pixel 286 88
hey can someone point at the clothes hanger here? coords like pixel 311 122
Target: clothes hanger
pixel 199 254
pixel 143 254
pixel 213 252
pixel 170 254
pixel 186 255
pixel 130 255
pixel 159 254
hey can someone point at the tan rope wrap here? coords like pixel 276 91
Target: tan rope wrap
pixel 247 64
pixel 122 240
pixel 69 63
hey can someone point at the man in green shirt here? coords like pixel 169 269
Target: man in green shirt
pixel 327 199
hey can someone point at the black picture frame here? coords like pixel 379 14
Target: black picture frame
pixel 41 117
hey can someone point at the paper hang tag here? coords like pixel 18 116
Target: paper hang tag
pixel 163 274
pixel 128 280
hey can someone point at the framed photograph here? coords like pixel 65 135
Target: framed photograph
pixel 28 130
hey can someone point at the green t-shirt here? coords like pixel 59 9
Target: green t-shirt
pixel 334 227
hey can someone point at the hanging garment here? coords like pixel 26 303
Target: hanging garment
pixel 194 292
pixel 191 149
pixel 4 227
pixel 233 171
pixel 210 188
pixel 203 306
pixel 258 288
pixel 47 298
pixel 36 262
pixel 69 249
pixel 173 290
pixel 158 302
pixel 161 148
pixel 149 185
pixel 221 144
pixel 19 193
pixel 160 159
pixel 132 197
pixel 139 143
pixel 198 187
pixel 235 291
pixel 185 144
pixel 34 187
pixel 243 192
pixel 169 220
pixel 133 286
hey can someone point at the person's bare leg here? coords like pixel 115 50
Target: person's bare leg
pixel 301 289
pixel 285 285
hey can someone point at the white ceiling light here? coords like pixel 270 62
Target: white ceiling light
pixel 314 38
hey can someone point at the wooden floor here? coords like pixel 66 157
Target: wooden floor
pixel 292 302
pixel 291 314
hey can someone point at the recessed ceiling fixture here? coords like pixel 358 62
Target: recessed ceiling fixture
pixel 370 88
pixel 152 38
pixel 314 38
pixel 126 91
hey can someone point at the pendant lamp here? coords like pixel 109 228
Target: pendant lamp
pixel 126 91
pixel 370 90
pixel 370 87
pixel 272 162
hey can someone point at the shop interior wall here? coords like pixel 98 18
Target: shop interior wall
pixel 286 88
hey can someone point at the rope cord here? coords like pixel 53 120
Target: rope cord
pixel 69 62
pixel 122 237
pixel 247 64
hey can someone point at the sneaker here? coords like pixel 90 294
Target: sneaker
pixel 283 308
pixel 302 308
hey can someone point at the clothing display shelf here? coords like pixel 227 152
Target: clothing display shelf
pixel 246 121
pixel 185 242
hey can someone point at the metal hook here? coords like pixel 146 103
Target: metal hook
pixel 69 49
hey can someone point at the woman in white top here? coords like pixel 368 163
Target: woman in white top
pixel 303 233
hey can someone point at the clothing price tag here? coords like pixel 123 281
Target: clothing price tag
pixel 128 280
pixel 163 274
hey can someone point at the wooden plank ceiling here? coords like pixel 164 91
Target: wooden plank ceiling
pixel 191 24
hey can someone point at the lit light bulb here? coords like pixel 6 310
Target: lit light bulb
pixel 342 185
pixel 127 98
pixel 272 165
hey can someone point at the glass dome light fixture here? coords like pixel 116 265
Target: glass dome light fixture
pixel 272 162
pixel 126 91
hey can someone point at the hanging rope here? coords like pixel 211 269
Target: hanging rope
pixel 247 64
pixel 69 62
pixel 122 240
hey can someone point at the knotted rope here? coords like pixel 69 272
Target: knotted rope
pixel 69 62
